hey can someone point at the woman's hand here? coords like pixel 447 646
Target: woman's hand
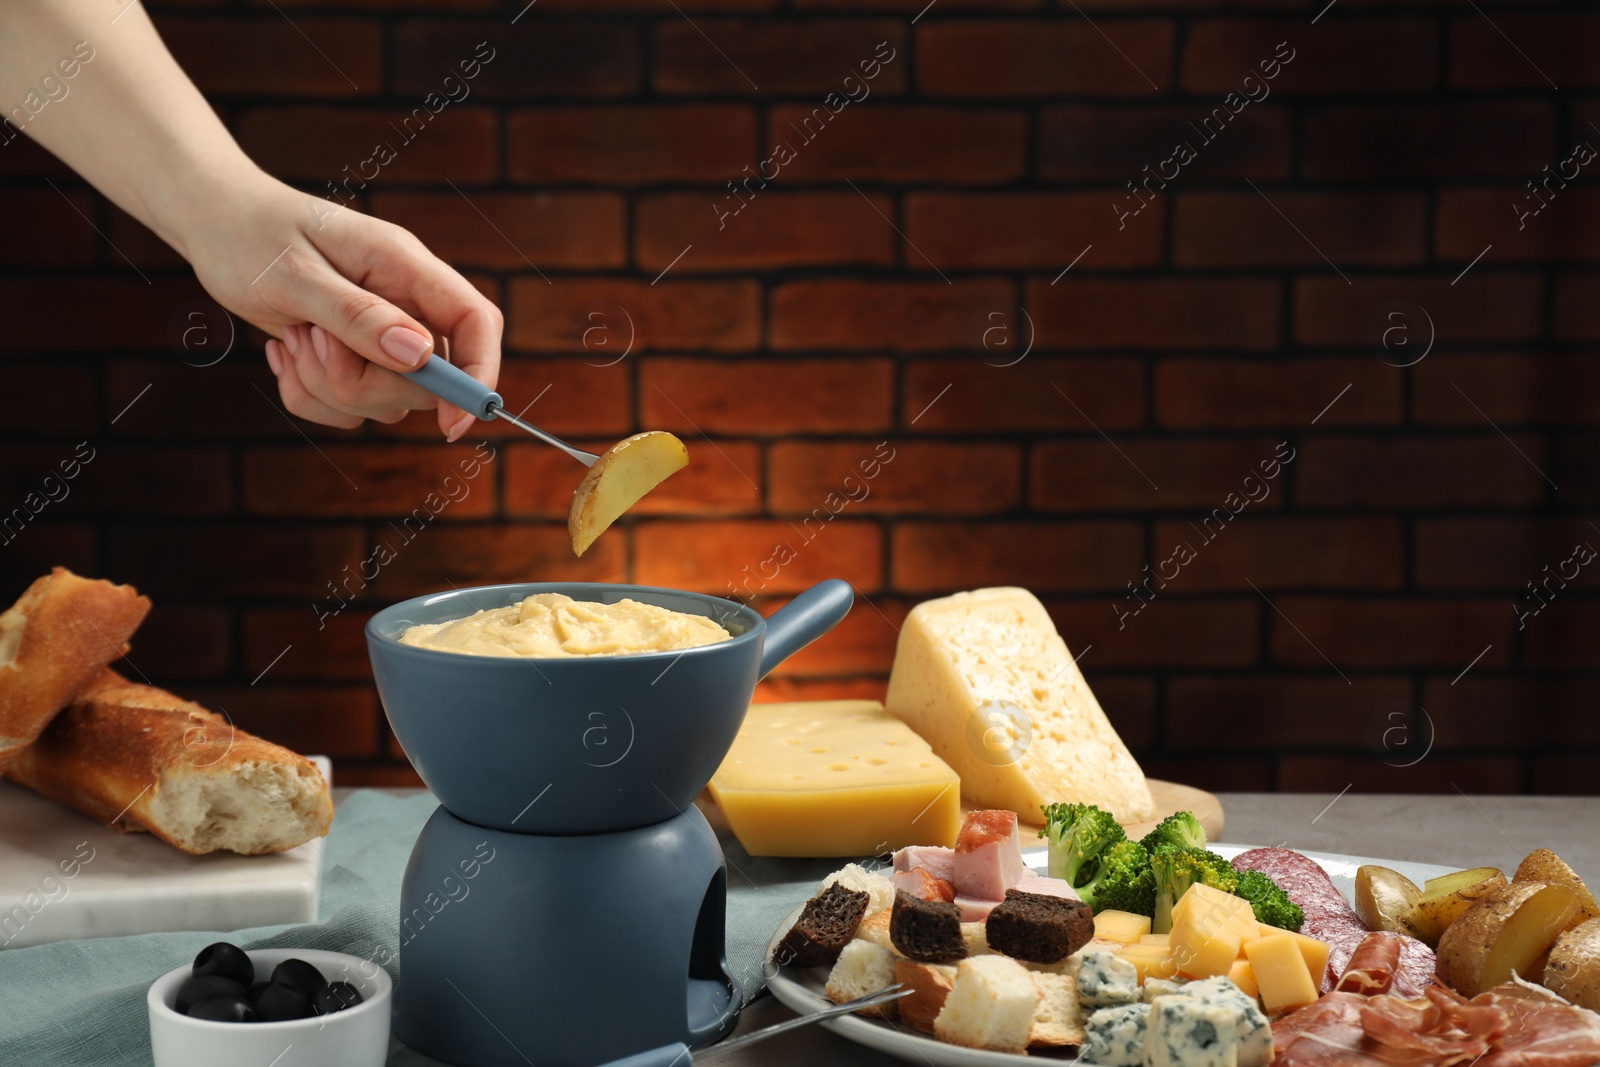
pixel 352 299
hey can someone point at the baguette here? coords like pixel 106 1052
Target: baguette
pixel 59 634
pixel 135 757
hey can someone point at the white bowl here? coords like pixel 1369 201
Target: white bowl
pixel 354 1037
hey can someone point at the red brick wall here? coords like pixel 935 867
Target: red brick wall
pixel 904 278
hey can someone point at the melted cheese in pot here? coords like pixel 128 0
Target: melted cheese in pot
pixel 553 625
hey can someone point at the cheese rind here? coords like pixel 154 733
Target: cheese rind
pixel 987 680
pixel 834 778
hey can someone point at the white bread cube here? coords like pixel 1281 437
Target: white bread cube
pixel 991 1005
pixel 862 970
pixel 876 886
pixel 976 936
pixel 1058 1020
pixel 930 985
pixel 875 928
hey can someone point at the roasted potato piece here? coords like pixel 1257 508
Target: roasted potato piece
pixel 1446 898
pixel 1384 897
pixel 1508 930
pixel 1542 865
pixel 1573 970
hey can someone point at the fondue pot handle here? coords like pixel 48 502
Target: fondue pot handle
pixel 803 620
pixel 665 1056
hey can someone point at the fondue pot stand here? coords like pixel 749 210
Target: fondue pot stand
pixel 565 904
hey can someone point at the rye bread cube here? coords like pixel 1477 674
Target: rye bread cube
pixel 1038 928
pixel 826 925
pixel 926 930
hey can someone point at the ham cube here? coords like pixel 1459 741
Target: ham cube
pixel 988 856
pixel 935 859
pixel 919 883
pixel 1045 887
pixel 973 909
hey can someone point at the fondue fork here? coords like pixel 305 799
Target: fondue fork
pixel 668 1055
pixel 450 383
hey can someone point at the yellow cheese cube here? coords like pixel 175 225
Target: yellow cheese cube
pixel 1213 910
pixel 1121 926
pixel 834 778
pixel 1241 975
pixel 1281 974
pixel 1315 952
pixel 1164 940
pixel 1151 961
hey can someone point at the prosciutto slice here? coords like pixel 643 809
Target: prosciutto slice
pixel 1372 965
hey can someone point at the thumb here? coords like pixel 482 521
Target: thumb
pixel 367 323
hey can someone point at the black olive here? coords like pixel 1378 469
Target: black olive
pixel 227 960
pixel 301 975
pixel 224 1010
pixel 335 996
pixel 280 1001
pixel 206 987
pixel 256 988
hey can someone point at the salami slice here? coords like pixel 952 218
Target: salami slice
pixel 1330 918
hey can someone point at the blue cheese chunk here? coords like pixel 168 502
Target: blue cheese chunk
pixel 1252 1032
pixel 1188 1031
pixel 1114 1037
pixel 1162 987
pixel 1105 981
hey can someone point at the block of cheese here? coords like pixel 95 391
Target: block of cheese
pixel 834 778
pixel 987 680
pixel 1281 974
pixel 1315 951
pixel 1208 929
pixel 1123 926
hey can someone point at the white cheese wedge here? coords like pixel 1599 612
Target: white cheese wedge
pixel 986 680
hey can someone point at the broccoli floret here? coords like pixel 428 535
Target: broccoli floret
pixel 1124 881
pixel 1078 834
pixel 1271 904
pixel 1181 829
pixel 1176 869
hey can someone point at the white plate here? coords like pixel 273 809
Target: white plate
pixel 801 990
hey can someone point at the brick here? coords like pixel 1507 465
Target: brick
pixel 335 148
pixel 1449 141
pixel 1077 143
pixel 546 58
pixel 1168 633
pixel 376 776
pixel 323 721
pixel 1576 459
pixel 539 481
pixel 131 480
pixel 778 689
pixel 40 546
pixel 787 56
pixel 1481 470
pixel 1567 775
pixel 1276 711
pixel 1558 224
pixel 1482 775
pixel 1238 775
pixel 1244 394
pixel 49 228
pixel 130 315
pixel 665 6
pixel 766 397
pixel 385 5
pixel 130 237
pixel 1388 632
pixel 629 145
pixel 1558 48
pixel 592 395
pixel 958 231
pixel 1040 58
pixel 267 55
pixel 1245 230
pixel 44 379
pixel 746 558
pixel 1039 393
pixel 1577 312
pixel 1281 552
pixel 459 556
pixel 896 477
pixel 218 560
pixel 766 231
pixel 1345 56
pixel 897 316
pixel 236 398
pixel 183 643
pixel 1514 713
pixel 301 644
pixel 21 156
pixel 1239 313
pixel 1130 704
pixel 429 483
pixel 1485 307
pixel 1559 637
pixel 712 316
pixel 864 643
pixel 1523 389
pixel 513 230
pixel 913 6
pixel 1500 553
pixel 1095 474
pixel 899 143
pixel 1047 557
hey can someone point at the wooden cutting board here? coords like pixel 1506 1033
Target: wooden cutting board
pixel 63 875
pixel 1170 797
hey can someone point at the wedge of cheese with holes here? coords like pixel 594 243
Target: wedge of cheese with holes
pixel 834 778
pixel 987 680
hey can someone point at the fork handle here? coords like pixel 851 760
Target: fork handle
pixel 450 383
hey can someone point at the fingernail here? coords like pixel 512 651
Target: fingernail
pixel 273 359
pixel 460 427
pixel 407 346
pixel 319 342
pixel 290 340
